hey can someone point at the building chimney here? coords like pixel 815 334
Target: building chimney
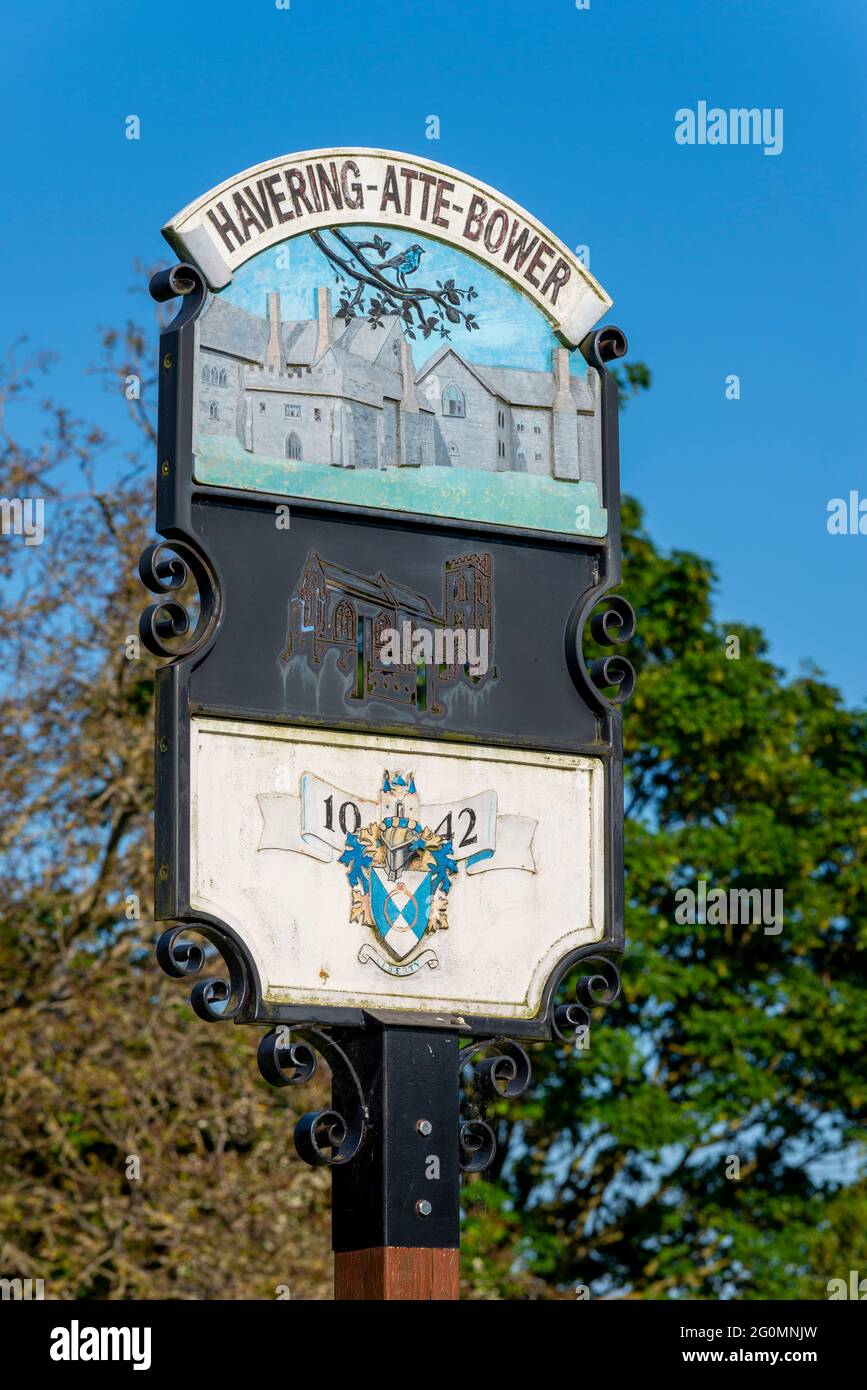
pixel 274 355
pixel 407 372
pixel 323 315
pixel 563 399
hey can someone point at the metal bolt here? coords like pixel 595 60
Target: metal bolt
pixel 166 468
pixel 164 744
pixel 168 361
pixel 424 1127
pixel 423 1208
pixel 164 872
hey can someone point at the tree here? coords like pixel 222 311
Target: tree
pixel 729 1042
pixel 140 1154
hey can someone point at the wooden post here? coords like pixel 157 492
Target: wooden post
pixel 396 1205
pixel 392 1272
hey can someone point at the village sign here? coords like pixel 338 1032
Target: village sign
pixel 389 780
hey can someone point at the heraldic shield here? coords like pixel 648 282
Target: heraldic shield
pixel 401 909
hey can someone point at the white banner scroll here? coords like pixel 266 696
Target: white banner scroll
pixel 513 849
pixel 317 822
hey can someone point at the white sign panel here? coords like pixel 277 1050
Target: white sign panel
pixel 400 874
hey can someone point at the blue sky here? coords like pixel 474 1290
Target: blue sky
pixel 720 259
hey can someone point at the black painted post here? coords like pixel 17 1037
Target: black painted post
pixel 396 1206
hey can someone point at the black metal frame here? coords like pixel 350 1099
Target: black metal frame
pixel 183 553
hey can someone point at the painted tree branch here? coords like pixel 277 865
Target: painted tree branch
pixel 392 297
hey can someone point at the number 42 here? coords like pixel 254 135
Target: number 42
pixel 448 833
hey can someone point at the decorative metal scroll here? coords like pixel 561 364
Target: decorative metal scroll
pixel 612 624
pixel 593 990
pixel 323 1138
pixel 166 568
pixel 503 1076
pixel 214 1000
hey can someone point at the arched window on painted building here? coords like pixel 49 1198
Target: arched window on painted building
pixel 344 622
pixel 293 446
pixel 214 411
pixel 314 602
pixel 454 402
pixel 381 628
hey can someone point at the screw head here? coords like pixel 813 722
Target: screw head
pixel 168 362
pixel 423 1208
pixel 166 468
pixel 424 1127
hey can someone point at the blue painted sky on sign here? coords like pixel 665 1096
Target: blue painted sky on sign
pixel 512 332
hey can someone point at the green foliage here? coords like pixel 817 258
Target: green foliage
pixel 728 1042
pixel 141 1155
pixel 632 378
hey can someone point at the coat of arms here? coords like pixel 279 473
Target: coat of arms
pixel 401 856
pixel 400 873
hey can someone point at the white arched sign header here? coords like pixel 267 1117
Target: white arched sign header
pixel 300 193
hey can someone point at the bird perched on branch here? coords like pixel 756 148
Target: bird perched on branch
pixel 404 263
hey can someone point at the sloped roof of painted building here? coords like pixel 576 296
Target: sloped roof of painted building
pixel 515 387
pixel 378 589
pixel 532 388
pixel 224 327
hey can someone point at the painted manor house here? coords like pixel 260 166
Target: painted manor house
pixel 323 391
